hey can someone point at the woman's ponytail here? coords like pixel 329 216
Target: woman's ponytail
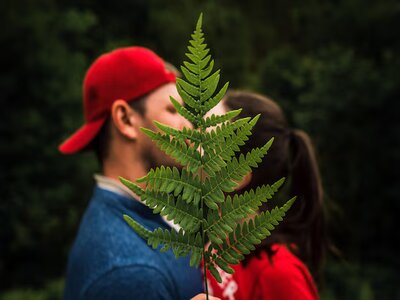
pixel 307 214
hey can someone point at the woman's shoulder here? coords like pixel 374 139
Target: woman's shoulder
pixel 281 262
pixel 283 272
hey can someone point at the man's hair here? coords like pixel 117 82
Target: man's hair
pixel 101 143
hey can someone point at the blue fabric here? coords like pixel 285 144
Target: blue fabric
pixel 110 261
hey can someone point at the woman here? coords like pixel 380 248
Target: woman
pixel 279 267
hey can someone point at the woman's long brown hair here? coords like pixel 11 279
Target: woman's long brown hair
pixel 292 156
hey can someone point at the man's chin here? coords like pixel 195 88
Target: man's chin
pixel 170 162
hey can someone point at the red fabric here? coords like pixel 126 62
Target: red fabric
pixel 125 73
pixel 283 278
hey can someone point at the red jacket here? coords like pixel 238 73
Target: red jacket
pixel 284 277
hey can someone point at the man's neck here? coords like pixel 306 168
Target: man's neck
pixel 128 170
pixel 110 184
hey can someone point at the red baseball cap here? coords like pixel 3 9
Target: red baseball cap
pixel 125 73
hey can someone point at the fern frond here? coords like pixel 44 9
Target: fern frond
pixel 140 230
pixel 210 266
pixel 183 154
pixel 244 238
pixel 209 86
pixel 214 120
pixel 225 180
pixel 216 99
pixel 223 149
pixel 165 179
pixel 216 136
pixel 207 71
pixel 211 167
pixel 187 92
pixel 188 115
pixel 239 207
pixel 193 91
pixel 192 78
pixel 182 243
pixel 187 216
pixel 193 136
pixel 197 92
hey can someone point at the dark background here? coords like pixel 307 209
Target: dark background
pixel 332 65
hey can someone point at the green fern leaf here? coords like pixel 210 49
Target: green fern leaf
pixel 180 242
pixel 239 207
pixel 218 135
pixel 177 149
pixel 188 216
pixel 193 136
pixel 234 172
pixel 217 98
pixel 210 168
pixel 209 87
pixel 214 120
pixel 214 272
pixel 192 78
pixel 207 71
pixel 191 67
pixel 197 121
pixel 223 150
pixel 165 179
pixel 140 230
pixel 187 92
pixel 251 233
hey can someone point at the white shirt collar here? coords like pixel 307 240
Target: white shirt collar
pixel 112 185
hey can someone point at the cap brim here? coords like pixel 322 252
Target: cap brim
pixel 81 138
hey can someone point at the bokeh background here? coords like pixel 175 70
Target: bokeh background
pixel 332 65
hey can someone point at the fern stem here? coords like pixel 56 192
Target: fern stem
pixel 203 232
pixel 205 271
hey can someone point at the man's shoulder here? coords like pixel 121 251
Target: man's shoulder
pixel 104 234
pixel 129 281
pixel 106 246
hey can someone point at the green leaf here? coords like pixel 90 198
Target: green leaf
pixel 216 99
pixel 214 272
pixel 224 266
pixel 186 113
pixel 140 230
pixel 192 78
pixel 210 168
pixel 165 179
pixel 177 149
pixel 207 71
pixel 187 91
pixel 252 232
pixel 214 120
pixel 223 149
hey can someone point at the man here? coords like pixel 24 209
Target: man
pixel 124 90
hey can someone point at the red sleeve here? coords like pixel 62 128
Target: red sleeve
pixel 286 282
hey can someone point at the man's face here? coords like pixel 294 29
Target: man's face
pixel 158 107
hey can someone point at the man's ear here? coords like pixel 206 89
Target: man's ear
pixel 125 119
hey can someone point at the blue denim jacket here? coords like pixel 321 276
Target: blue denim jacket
pixel 110 261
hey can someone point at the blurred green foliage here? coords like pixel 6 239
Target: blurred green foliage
pixel 52 291
pixel 333 66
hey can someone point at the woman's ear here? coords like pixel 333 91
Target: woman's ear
pixel 125 119
pixel 245 181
